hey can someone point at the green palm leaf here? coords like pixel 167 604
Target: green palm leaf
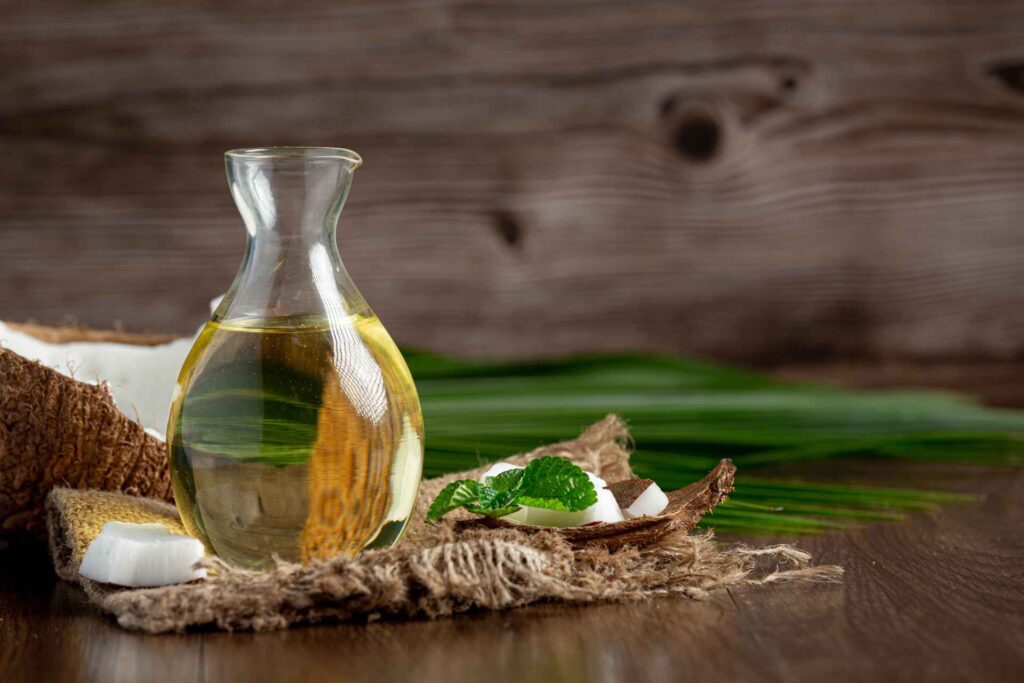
pixel 685 415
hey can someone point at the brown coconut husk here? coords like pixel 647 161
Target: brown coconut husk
pixel 57 431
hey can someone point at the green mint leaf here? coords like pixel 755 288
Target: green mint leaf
pixel 454 495
pixel 509 480
pixel 498 512
pixel 556 484
pixel 546 503
pixel 493 499
pixel 548 482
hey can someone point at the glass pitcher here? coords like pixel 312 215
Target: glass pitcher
pixel 295 430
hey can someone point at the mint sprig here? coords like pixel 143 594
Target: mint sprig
pixel 556 484
pixel 452 496
pixel 548 482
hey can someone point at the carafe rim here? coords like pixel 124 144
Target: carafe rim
pixel 304 153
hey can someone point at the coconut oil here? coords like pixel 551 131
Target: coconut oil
pixel 297 437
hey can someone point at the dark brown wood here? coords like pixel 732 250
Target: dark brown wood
pixel 937 597
pixel 994 383
pixel 758 181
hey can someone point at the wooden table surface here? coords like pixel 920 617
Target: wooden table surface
pixel 939 596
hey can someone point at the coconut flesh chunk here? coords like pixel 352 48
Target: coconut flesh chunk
pixel 141 555
pixel 640 498
pixel 605 510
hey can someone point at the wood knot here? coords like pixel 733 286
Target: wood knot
pixel 508 227
pixel 695 130
pixel 697 136
pixel 1010 74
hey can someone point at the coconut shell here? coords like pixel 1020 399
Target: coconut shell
pixel 686 507
pixel 67 334
pixel 57 431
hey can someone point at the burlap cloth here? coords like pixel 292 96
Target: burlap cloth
pixel 434 571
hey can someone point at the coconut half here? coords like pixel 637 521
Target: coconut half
pixel 686 507
pixel 141 376
pixel 71 402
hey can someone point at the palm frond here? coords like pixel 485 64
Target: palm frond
pixel 685 415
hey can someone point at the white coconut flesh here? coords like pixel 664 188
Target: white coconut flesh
pixel 142 555
pixel 141 378
pixel 605 510
pixel 651 502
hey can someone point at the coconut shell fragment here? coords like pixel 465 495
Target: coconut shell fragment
pixel 68 334
pixel 57 431
pixel 686 507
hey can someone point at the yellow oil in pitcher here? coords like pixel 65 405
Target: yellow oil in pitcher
pixel 295 437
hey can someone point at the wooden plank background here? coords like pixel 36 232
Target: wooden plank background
pixel 757 181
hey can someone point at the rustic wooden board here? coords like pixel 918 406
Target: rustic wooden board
pixel 994 383
pixel 938 597
pixel 756 181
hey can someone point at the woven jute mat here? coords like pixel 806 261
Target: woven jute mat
pixel 434 571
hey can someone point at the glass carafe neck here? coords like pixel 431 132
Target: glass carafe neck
pixel 292 192
pixel 290 199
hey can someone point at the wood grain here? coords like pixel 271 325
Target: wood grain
pixel 995 383
pixel 938 597
pixel 759 181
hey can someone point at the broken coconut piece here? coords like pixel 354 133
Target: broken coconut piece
pixel 686 507
pixel 141 555
pixel 639 498
pixel 605 510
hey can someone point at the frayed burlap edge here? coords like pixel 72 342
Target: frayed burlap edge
pixel 439 570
